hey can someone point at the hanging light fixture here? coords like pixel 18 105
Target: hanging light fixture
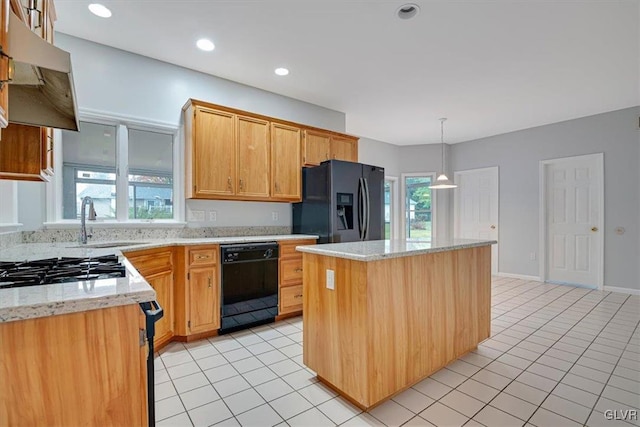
pixel 442 181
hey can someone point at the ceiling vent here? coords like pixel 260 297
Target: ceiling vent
pixel 408 11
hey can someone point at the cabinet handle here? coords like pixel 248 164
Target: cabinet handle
pixel 326 156
pixel 297 296
pixel 10 68
pixel 304 159
pixel 241 183
pixel 298 270
pixel 209 281
pixel 202 256
pixel 229 184
pixel 277 187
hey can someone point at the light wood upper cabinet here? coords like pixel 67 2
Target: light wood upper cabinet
pixel 211 154
pixel 344 148
pixel 316 147
pixel 26 153
pixel 236 155
pixel 320 146
pixel 253 157
pixel 285 162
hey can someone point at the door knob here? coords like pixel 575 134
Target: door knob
pixel 493 227
pixel 594 229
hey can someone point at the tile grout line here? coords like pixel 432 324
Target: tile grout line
pixel 535 360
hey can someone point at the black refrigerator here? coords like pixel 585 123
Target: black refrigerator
pixel 341 202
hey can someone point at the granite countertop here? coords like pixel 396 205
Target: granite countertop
pixel 48 300
pixel 382 249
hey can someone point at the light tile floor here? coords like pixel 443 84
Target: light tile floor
pixel 557 356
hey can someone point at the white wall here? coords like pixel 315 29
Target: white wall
pixel 123 84
pixel 517 155
pixel 378 153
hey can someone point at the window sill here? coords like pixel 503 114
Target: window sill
pixel 9 227
pixel 71 224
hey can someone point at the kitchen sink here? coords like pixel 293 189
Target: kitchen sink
pixel 105 245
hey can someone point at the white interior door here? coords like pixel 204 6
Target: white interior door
pixel 573 212
pixel 476 207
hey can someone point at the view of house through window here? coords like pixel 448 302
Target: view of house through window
pixel 89 162
pixel 89 169
pixel 150 175
pixel 418 207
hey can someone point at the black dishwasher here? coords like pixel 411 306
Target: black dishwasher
pixel 249 285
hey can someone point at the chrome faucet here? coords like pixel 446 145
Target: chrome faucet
pixel 92 217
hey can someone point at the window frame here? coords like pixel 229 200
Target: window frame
pixel 394 207
pixel 54 189
pixel 434 202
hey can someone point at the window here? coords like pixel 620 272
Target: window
pixel 418 205
pixel 150 175
pixel 91 163
pixel 391 228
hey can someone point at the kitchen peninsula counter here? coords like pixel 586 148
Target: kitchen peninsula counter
pixel 380 316
pixel 72 297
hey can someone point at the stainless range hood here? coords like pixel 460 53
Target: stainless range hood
pixel 41 92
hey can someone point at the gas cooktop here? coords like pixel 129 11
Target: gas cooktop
pixel 59 270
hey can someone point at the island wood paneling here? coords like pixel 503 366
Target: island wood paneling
pixel 76 369
pixel 390 323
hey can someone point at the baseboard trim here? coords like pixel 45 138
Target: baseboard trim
pixel 519 276
pixel 622 290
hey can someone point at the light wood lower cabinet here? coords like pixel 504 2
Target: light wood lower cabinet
pixel 197 290
pixel 156 266
pixel 290 276
pixel 78 369
pixel 204 294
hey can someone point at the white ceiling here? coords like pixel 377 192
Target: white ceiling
pixel 490 66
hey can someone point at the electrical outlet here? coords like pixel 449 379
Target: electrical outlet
pixel 274 216
pixel 532 256
pixel 330 280
pixel 213 215
pixel 196 216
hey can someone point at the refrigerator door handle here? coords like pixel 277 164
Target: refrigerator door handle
pixel 367 209
pixel 361 208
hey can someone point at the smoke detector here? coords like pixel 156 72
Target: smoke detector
pixel 408 11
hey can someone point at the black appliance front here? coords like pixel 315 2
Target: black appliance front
pixel 152 312
pixel 341 202
pixel 249 285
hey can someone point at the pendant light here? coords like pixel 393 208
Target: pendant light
pixel 442 181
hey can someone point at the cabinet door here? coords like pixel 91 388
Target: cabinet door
pixel 316 147
pixel 253 157
pixel 22 153
pixel 344 149
pixel 204 299
pixel 162 283
pixel 214 154
pixel 286 169
pixel 4 64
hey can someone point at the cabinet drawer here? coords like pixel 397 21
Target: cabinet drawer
pixel 288 249
pixel 152 263
pixel 290 299
pixel 205 256
pixel 291 270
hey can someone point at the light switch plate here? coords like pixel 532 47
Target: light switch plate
pixel 330 280
pixel 213 215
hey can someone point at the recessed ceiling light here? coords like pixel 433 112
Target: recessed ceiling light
pixel 282 71
pixel 100 10
pixel 408 11
pixel 205 44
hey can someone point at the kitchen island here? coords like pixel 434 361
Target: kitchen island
pixel 380 316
